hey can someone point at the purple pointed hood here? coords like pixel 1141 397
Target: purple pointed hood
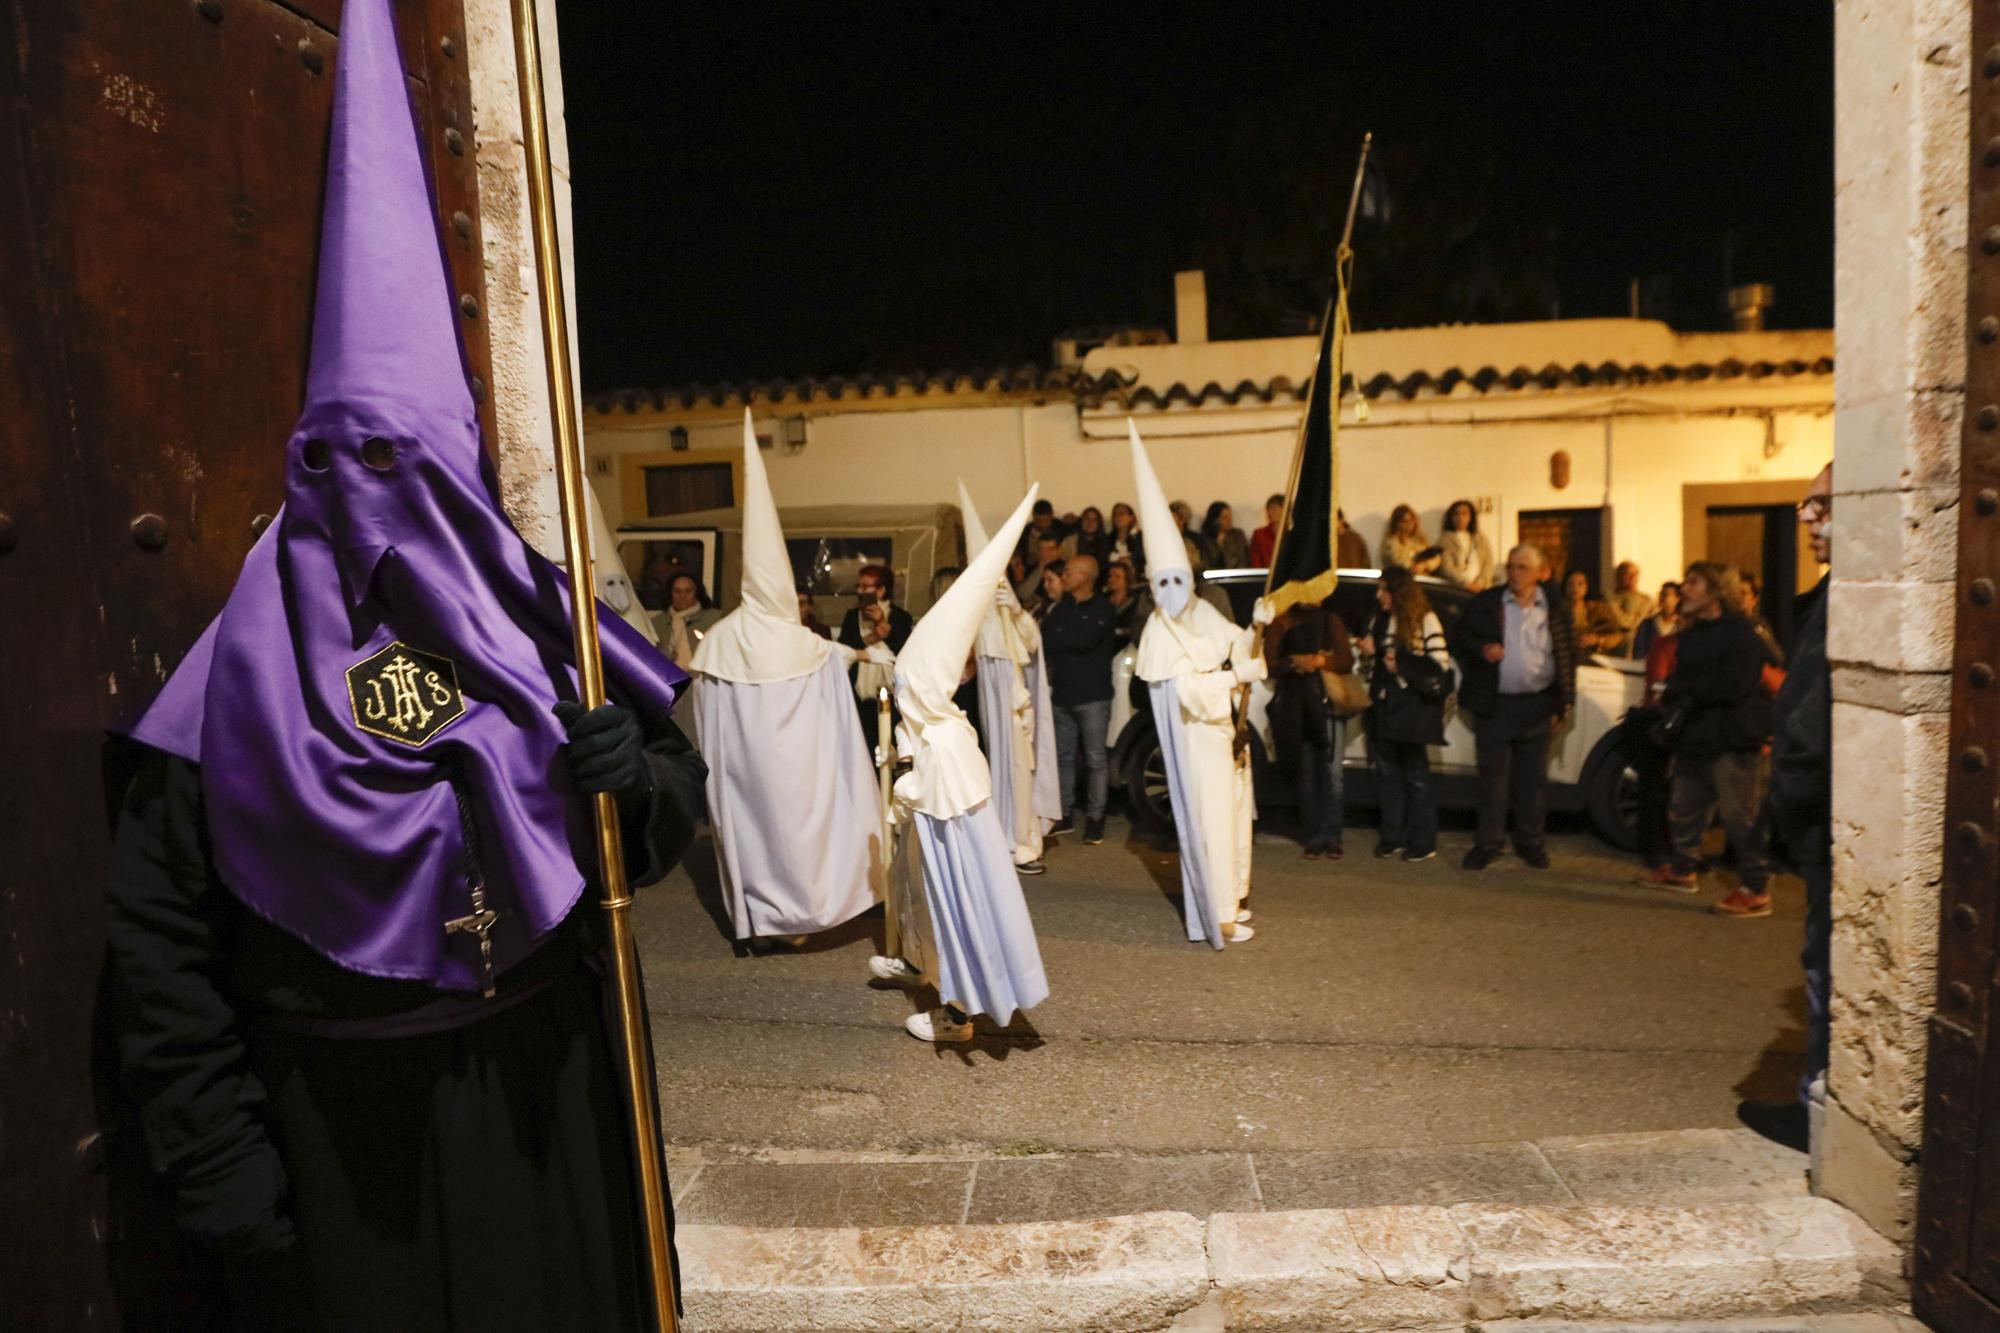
pixel 392 645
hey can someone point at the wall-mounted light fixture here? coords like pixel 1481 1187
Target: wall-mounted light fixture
pixel 794 434
pixel 678 437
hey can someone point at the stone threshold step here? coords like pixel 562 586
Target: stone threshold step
pixel 1405 1267
pixel 1671 1167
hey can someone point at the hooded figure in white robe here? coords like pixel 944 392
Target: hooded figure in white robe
pixel 973 931
pixel 1016 717
pixel 1193 658
pixel 792 792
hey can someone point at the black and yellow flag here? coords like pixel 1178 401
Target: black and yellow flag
pixel 1308 554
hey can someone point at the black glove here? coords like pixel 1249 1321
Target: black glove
pixel 607 752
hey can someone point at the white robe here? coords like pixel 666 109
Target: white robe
pixel 793 799
pixel 1192 665
pixel 1017 724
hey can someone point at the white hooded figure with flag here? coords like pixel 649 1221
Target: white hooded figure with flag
pixel 792 794
pixel 1193 659
pixel 1016 717
pixel 968 932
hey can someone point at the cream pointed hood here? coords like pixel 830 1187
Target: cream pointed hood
pixel 762 639
pixel 948 773
pixel 993 639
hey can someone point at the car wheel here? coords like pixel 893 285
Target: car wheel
pixel 1145 781
pixel 1613 800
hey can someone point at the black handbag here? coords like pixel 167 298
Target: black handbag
pixel 1425 678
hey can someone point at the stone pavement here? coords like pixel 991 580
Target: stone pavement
pixel 1420 1098
pixel 1381 1005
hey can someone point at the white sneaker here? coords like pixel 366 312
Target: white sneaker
pixel 934 1026
pixel 1244 916
pixel 1237 934
pixel 894 969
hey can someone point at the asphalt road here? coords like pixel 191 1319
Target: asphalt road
pixel 1380 1004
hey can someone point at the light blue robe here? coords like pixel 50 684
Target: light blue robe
pixel 981 947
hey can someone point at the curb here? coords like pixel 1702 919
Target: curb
pixel 1351 1270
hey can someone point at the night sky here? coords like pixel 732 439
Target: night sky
pixel 771 191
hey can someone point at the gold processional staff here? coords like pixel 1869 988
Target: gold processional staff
pixel 637 1054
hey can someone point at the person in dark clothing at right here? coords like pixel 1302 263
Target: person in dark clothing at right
pixel 1516 648
pixel 1798 812
pixel 1719 718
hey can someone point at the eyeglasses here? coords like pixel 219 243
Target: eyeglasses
pixel 1822 504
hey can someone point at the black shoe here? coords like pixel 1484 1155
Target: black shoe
pixel 1538 858
pixel 1479 858
pixel 1782 1123
pixel 1385 850
pixel 1332 851
pixel 1062 825
pixel 1093 832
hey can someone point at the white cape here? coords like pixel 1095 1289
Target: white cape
pixel 793 799
pixel 1192 666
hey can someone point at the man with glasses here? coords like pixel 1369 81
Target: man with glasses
pixel 1799 811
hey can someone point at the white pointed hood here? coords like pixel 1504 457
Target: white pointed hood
pixel 762 639
pixel 1167 568
pixel 614 585
pixel 948 774
pixel 993 640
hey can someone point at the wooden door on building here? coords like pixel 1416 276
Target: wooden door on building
pixel 1770 542
pixel 1956 1286
pixel 162 178
pixel 1568 539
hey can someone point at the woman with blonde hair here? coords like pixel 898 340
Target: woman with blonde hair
pixel 1404 545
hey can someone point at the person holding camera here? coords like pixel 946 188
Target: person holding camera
pixel 1407 690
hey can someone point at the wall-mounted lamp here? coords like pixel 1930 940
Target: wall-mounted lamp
pixel 795 434
pixel 678 437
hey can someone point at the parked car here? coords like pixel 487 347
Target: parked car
pixel 1587 771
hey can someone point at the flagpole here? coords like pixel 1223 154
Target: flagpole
pixel 627 995
pixel 1336 309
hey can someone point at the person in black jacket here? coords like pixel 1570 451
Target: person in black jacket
pixel 1079 639
pixel 1308 735
pixel 1798 812
pixel 1719 720
pixel 874 618
pixel 1516 649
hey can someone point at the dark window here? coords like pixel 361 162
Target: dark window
pixel 682 488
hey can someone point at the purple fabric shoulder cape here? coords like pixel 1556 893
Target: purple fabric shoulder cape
pixel 392 643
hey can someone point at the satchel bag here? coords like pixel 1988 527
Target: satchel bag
pixel 1425 678
pixel 1346 693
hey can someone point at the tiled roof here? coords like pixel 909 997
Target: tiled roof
pixel 1112 389
pixel 1124 392
pixel 1016 380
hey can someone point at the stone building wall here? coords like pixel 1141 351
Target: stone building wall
pixel 1902 72
pixel 520 386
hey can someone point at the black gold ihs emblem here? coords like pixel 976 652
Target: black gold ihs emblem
pixel 404 695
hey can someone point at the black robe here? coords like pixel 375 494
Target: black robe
pixel 363 1153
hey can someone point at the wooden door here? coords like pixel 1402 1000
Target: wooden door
pixel 1568 539
pixel 1957 1262
pixel 160 186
